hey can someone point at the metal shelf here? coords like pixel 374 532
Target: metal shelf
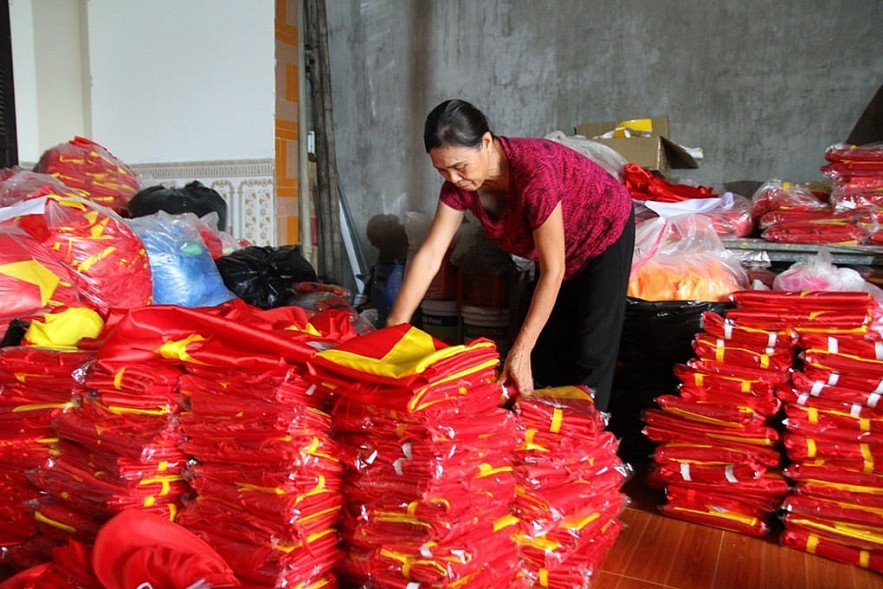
pixel 859 255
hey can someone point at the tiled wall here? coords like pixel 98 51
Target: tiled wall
pixel 246 185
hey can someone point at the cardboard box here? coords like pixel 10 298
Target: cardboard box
pixel 655 152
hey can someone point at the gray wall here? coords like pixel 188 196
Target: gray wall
pixel 762 86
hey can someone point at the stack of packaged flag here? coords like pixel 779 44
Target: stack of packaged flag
pixel 856 175
pixel 569 480
pixel 118 449
pixel 429 451
pixel 36 384
pixel 261 462
pixel 717 456
pixel 267 474
pixel 834 437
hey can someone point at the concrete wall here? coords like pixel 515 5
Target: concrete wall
pixel 762 86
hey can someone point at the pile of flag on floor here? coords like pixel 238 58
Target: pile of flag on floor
pixel 834 433
pixel 717 454
pixel 568 487
pixel 37 385
pixel 430 483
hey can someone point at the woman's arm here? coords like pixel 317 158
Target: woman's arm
pixel 549 242
pixel 422 268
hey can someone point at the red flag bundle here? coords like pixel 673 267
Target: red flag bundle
pixel 833 427
pixel 856 174
pixel 569 480
pixel 429 456
pixel 107 258
pixel 116 457
pixel 89 168
pixel 37 384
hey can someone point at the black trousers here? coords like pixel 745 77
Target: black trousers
pixel 580 342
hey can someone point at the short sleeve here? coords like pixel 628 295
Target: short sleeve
pixel 453 197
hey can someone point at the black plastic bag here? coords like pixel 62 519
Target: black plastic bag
pixel 193 198
pixel 656 335
pixel 264 276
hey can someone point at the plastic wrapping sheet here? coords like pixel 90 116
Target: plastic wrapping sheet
pixel 714 324
pixel 32 280
pixel 278 565
pixel 868 346
pixel 121 467
pixel 771 484
pixel 61 523
pixel 850 419
pixel 218 416
pixel 18 184
pixel 360 406
pixel 803 301
pixel 741 519
pixel 830 473
pixel 560 510
pixel 821 321
pixel 808 506
pixel 826 400
pixel 710 413
pixel 184 272
pixel 139 385
pixel 709 348
pixel 448 561
pixel 804 447
pixel 70 568
pixel 822 217
pixel 493 576
pixel 239 525
pixel 843 363
pixel 856 494
pixel 574 453
pixel 765 405
pixel 140 437
pixel 803 423
pixel 83 491
pixel 283 387
pixel 108 259
pixel 578 544
pixel 92 170
pixel 662 428
pixel 834 231
pixel 256 448
pixel 829 383
pixel 711 453
pixel 698 375
pixel 722 496
pixel 688 472
pixel 778 195
pixel 815 544
pixel 375 523
pixel 694 421
pixel 299 497
pixel 858 535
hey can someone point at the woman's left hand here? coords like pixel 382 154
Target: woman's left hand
pixel 517 369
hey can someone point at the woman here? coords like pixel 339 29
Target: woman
pixel 540 200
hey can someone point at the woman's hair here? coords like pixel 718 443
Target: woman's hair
pixel 454 122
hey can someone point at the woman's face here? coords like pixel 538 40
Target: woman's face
pixel 464 167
